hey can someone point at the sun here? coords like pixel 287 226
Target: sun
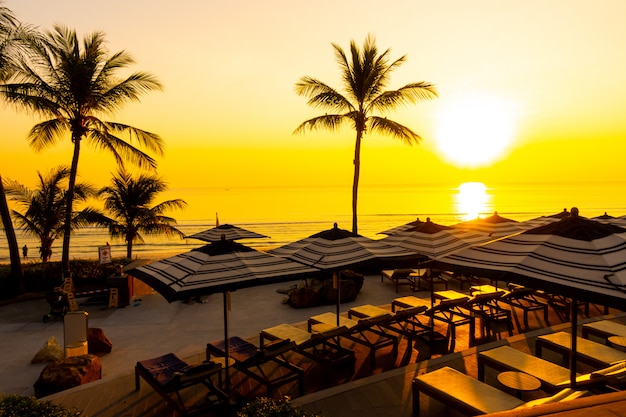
pixel 471 200
pixel 475 130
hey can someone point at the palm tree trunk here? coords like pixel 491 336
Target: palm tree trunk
pixel 355 183
pixel 17 273
pixel 65 257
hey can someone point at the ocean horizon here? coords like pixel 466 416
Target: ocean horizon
pixel 287 214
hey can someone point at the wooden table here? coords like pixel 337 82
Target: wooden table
pixel 519 381
pixel 617 341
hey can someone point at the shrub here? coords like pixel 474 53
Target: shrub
pixel 268 407
pixel 19 406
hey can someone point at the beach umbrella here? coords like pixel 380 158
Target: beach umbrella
pixel 434 240
pixel 337 248
pixel 402 228
pixel 222 266
pixel 494 226
pixel 229 231
pixel 576 257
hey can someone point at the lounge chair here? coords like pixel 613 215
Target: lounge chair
pixel 169 376
pixel 452 313
pixel 430 278
pixel 506 358
pixel 368 332
pixel 252 361
pixel 473 397
pixel 403 322
pixel 524 298
pixel 587 351
pixel 603 329
pixel 397 276
pixel 323 348
pixel 484 306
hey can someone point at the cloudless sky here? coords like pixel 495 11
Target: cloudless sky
pixel 536 87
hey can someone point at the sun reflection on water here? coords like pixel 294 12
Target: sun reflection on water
pixel 471 200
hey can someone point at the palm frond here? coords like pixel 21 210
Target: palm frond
pixel 394 129
pixel 328 121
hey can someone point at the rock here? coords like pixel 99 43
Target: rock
pixel 304 297
pixel 51 351
pixel 68 373
pixel 97 341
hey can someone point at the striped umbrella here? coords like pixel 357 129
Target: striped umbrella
pixel 338 248
pixel 434 240
pixel 229 232
pixel 576 257
pixel 494 226
pixel 403 228
pixel 222 266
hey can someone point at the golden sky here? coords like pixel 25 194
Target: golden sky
pixel 540 83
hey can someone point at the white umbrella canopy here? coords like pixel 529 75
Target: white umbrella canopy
pixel 337 248
pixel 229 232
pixel 434 240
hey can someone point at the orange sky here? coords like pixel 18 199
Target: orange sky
pixel 545 78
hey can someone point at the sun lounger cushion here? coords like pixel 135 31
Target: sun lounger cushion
pixel 462 392
pixel 507 358
pixel 593 353
pixel 603 329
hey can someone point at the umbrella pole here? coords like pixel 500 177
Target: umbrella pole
pixel 337 284
pixel 572 356
pixel 226 303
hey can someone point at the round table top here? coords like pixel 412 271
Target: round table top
pixel 520 381
pixel 618 341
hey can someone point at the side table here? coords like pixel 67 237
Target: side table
pixel 519 381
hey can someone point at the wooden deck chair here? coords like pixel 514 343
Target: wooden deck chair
pixel 473 397
pixel 592 353
pixel 255 362
pixel 490 313
pixel 403 322
pixel 372 334
pixel 323 348
pixel 397 276
pixel 169 376
pixel 524 298
pixel 452 312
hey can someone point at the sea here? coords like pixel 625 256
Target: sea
pixel 287 214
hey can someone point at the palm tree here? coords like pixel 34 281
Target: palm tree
pixel 365 77
pixel 128 200
pixel 43 208
pixel 11 35
pixel 74 87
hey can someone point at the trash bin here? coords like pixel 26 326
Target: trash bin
pixel 75 333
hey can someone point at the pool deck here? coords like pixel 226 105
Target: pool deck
pixel 151 327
